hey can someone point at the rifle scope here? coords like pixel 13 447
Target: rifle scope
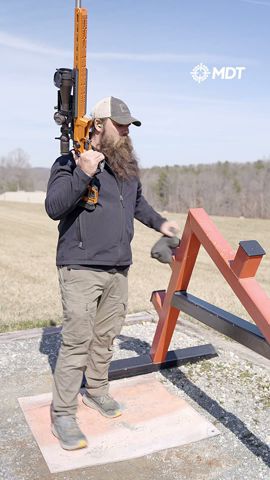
pixel 63 80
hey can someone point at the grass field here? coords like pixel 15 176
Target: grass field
pixel 29 295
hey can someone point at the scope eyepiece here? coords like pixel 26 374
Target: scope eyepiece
pixel 63 77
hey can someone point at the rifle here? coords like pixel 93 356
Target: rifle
pixel 72 91
pixel 71 102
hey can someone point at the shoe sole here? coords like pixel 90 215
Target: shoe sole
pixel 94 406
pixel 80 444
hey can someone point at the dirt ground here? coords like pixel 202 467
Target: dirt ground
pixel 230 390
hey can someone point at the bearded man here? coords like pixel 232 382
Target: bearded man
pixel 96 197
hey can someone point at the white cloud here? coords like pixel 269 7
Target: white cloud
pixel 22 44
pixel 256 2
pixel 169 57
pixel 19 43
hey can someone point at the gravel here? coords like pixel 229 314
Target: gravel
pixel 232 390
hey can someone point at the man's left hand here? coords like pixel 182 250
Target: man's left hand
pixel 169 228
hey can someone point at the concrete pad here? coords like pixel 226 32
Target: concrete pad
pixel 153 419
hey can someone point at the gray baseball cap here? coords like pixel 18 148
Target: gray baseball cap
pixel 116 109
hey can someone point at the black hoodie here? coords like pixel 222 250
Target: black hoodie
pixel 101 236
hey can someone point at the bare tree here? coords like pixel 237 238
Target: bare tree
pixel 15 171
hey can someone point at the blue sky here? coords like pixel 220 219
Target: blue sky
pixel 143 52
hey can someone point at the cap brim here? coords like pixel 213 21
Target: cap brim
pixel 126 120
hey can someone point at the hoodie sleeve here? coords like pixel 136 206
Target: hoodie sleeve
pixel 145 213
pixel 66 186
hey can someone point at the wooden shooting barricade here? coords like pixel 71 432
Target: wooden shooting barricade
pixel 238 269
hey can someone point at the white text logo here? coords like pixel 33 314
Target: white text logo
pixel 201 72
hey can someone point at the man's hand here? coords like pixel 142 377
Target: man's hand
pixel 88 161
pixel 169 228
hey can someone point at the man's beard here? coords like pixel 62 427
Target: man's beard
pixel 120 155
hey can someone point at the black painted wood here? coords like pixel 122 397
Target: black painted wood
pixel 139 365
pixel 252 248
pixel 142 364
pixel 230 325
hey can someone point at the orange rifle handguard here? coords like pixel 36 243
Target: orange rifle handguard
pixel 82 123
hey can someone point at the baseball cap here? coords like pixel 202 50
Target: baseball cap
pixel 116 109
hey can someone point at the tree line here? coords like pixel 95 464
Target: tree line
pixel 223 188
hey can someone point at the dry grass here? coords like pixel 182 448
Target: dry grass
pixel 29 292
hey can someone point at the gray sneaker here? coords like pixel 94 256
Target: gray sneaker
pixel 66 429
pixel 105 404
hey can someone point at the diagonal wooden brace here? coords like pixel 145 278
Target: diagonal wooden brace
pixel 237 269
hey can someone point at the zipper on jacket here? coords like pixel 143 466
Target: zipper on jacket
pixel 122 204
pixel 121 198
pixel 79 231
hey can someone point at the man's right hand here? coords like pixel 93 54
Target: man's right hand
pixel 88 161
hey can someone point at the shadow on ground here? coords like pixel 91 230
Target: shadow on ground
pixel 50 344
pixel 228 419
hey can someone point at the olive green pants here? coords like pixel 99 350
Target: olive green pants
pixel 94 308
